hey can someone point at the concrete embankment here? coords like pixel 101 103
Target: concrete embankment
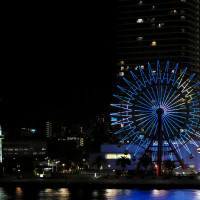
pixel 107 182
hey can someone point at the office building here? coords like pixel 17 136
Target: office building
pixel 151 30
pixel 24 148
pixel 28 132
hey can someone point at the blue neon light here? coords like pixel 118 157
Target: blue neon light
pixel 144 94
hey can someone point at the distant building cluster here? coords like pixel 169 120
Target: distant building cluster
pixel 58 142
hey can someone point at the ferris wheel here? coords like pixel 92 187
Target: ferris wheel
pixel 158 111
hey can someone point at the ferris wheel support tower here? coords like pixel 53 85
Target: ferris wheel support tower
pixel 159 111
pixel 160 136
pixel 160 133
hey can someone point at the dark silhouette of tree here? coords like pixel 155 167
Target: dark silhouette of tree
pixel 99 161
pixel 145 161
pixel 169 164
pixel 123 161
pixel 69 164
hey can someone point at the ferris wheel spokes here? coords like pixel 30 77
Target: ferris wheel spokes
pixel 142 97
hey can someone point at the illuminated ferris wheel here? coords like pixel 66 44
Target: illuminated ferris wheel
pixel 158 112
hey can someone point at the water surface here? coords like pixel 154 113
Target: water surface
pixel 101 194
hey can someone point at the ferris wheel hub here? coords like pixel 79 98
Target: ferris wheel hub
pixel 160 111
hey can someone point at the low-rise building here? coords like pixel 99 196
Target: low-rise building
pixel 111 152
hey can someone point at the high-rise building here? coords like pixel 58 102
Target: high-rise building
pixel 151 30
pixel 49 130
pixel 28 132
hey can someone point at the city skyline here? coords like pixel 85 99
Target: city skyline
pixel 100 100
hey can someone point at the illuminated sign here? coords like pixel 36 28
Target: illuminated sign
pixel 116 156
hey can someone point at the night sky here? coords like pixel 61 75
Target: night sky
pixel 57 62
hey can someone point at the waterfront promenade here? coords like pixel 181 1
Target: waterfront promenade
pixel 88 180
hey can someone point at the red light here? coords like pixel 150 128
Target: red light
pixel 157 171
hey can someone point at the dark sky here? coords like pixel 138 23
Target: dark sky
pixel 56 61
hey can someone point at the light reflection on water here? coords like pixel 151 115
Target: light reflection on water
pixel 19 193
pixel 62 193
pixel 172 194
pixel 3 195
pixel 98 194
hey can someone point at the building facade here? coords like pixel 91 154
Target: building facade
pixel 147 31
pixel 23 154
pixel 24 148
pixel 111 152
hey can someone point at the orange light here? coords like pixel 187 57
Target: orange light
pixel 153 43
